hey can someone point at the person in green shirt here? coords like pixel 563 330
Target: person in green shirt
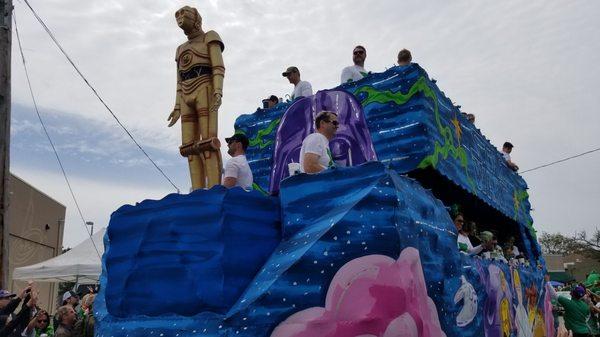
pixel 577 311
pixel 594 303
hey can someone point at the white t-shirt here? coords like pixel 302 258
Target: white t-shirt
pixel 353 73
pixel 238 168
pixel 506 156
pixel 465 245
pixel 318 144
pixel 302 89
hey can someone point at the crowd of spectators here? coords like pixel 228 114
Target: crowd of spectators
pixel 74 318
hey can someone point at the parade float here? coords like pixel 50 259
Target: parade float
pixel 366 248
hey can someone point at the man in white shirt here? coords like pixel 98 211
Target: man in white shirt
pixel 357 71
pixel 315 155
pixel 237 171
pixel 506 150
pixel 301 88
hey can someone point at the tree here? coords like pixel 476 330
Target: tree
pixel 556 243
pixel 580 243
pixel 589 246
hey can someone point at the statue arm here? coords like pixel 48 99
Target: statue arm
pixel 176 113
pixel 218 68
pixel 218 73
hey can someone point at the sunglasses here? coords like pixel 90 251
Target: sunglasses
pixel 358 52
pixel 335 123
pixel 43 321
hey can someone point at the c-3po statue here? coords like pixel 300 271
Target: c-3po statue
pixel 200 73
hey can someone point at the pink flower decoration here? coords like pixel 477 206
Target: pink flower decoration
pixel 371 296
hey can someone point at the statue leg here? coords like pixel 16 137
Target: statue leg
pixel 207 123
pixel 190 133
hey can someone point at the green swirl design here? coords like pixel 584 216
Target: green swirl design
pixel 518 197
pixel 440 150
pixel 255 186
pixel 259 140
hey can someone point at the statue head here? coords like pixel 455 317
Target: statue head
pixel 188 19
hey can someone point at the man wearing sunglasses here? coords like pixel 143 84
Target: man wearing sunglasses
pixel 237 171
pixel 315 155
pixel 357 71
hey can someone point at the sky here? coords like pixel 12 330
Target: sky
pixel 527 70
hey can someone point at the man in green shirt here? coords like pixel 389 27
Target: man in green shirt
pixel 577 311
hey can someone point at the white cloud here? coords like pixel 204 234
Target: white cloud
pixel 97 199
pixel 527 70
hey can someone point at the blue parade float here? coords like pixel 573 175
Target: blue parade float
pixel 364 249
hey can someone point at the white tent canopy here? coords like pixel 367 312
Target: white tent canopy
pixel 80 264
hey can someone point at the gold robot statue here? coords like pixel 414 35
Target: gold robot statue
pixel 200 73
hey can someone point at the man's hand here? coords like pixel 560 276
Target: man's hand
pixel 216 102
pixel 33 300
pixel 24 292
pixel 563 332
pixel 174 116
pixel 229 182
pixel 311 163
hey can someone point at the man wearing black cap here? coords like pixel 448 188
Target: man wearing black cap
pixel 237 171
pixel 301 88
pixel 9 303
pixel 270 102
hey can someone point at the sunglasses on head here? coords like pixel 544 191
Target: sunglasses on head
pixel 333 122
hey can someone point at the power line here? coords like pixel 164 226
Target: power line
pixel 47 29
pixel 560 161
pixel 50 139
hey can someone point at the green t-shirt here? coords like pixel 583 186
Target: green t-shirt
pixel 577 314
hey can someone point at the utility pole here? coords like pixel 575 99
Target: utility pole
pixel 6 8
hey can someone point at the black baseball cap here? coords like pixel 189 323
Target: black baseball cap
pixel 289 70
pixel 239 137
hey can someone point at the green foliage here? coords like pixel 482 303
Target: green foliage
pixel 580 243
pixel 556 243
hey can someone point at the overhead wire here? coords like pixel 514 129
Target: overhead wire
pixel 62 168
pixel 560 160
pixel 95 92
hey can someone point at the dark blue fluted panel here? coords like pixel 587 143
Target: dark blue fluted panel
pixel 204 247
